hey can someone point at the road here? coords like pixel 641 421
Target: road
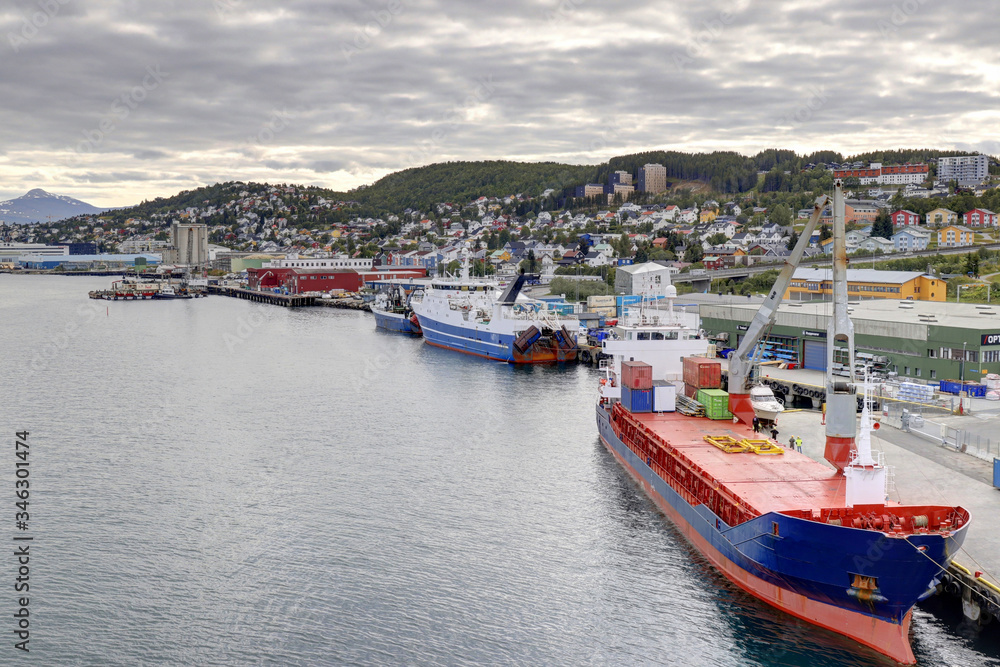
pixel 758 268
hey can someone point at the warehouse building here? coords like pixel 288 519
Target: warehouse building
pixel 86 262
pixel 812 284
pixel 300 281
pixel 923 341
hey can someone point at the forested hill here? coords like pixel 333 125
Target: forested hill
pixel 217 195
pixel 462 182
pixel 723 171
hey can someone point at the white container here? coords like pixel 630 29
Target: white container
pixel 665 398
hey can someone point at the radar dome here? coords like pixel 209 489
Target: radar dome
pixel 671 292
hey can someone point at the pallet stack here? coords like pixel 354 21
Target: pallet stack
pixel 917 393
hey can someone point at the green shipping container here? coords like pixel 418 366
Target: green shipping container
pixel 716 402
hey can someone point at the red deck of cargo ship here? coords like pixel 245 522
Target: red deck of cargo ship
pixel 751 485
pixel 790 481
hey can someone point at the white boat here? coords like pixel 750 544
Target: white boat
pixel 475 317
pixel 765 405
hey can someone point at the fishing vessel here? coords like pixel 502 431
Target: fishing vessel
pixel 393 312
pixel 477 318
pixel 823 544
pixel 182 292
pixel 128 290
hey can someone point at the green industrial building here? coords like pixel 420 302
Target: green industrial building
pixel 924 341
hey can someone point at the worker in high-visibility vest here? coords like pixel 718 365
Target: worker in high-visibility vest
pixel 798 444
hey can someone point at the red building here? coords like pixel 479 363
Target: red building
pixel 920 169
pixel 865 176
pixel 717 262
pixel 980 217
pixel 298 281
pixel 905 217
pixel 379 274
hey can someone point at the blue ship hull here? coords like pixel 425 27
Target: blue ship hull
pixel 481 343
pixel 395 322
pixel 805 567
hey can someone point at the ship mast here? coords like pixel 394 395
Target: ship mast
pixel 841 396
pixel 867 477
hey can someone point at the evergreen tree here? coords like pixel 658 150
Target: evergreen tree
pixel 792 240
pixel 972 264
pixel 642 254
pixel 883 225
pixel 694 253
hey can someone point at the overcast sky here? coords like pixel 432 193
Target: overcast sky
pixel 116 101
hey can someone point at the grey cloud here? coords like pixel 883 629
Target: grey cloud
pixel 309 89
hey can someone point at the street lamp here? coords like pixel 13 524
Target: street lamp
pixel 959 289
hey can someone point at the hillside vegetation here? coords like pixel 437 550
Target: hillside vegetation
pixel 462 182
pixel 420 188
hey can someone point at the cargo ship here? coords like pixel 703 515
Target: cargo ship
pixel 393 312
pixel 824 544
pixel 476 318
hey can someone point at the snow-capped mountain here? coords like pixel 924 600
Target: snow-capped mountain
pixel 41 206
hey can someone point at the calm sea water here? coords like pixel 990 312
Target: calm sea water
pixel 216 482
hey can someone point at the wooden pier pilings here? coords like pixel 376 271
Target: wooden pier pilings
pixel 286 300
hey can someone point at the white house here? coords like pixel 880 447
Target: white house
pixel 856 237
pixel 596 258
pixel 877 243
pixel 688 215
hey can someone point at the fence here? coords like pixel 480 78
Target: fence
pixel 958 439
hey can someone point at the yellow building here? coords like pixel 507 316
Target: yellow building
pixel 809 284
pixel 708 215
pixel 941 216
pixel 955 236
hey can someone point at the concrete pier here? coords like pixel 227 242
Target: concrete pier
pixel 927 472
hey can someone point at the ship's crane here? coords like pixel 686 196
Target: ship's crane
pixel 741 361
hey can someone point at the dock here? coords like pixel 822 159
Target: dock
pixel 289 300
pixel 350 303
pixel 589 354
pixel 931 472
pixel 273 298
